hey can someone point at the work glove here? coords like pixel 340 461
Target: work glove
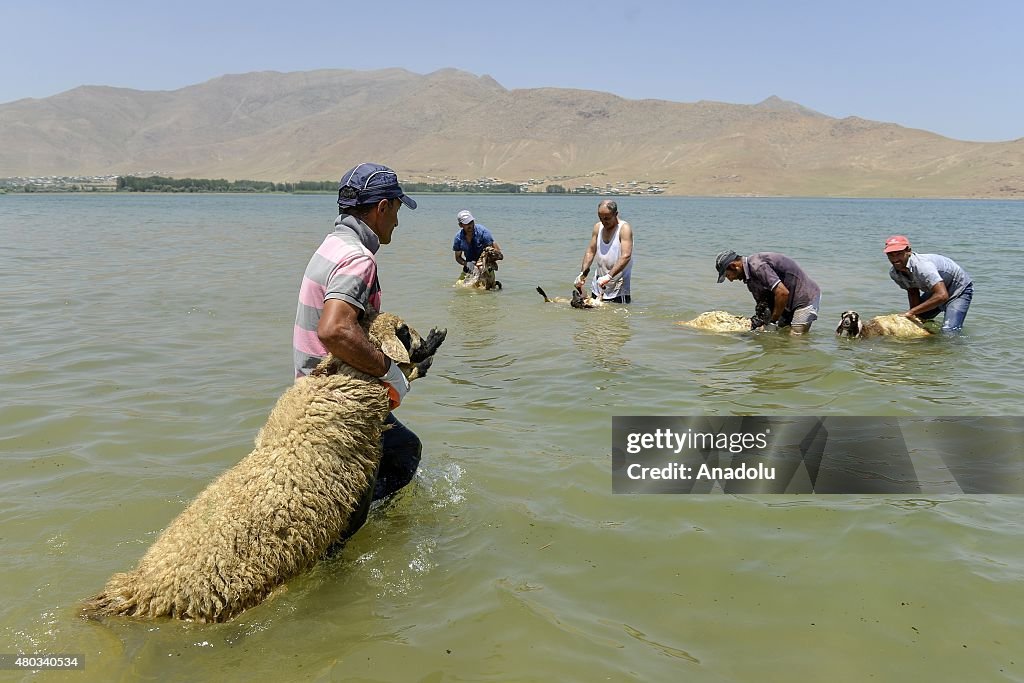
pixel 603 281
pixel 398 386
pixel 756 322
pixel 580 279
pixel 465 269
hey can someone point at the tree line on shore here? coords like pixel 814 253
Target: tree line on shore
pixel 164 184
pixel 157 183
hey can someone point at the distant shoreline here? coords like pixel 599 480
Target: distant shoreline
pixel 160 184
pixel 51 193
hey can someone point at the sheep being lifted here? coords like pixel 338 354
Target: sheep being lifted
pixel 482 276
pixel 281 508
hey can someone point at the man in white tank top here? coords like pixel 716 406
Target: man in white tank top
pixel 611 244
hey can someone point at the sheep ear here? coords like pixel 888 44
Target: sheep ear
pixel 395 350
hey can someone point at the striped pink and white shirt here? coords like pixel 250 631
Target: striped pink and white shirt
pixel 344 267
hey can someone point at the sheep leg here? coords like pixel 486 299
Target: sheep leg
pixel 420 369
pixel 428 346
pixel 763 310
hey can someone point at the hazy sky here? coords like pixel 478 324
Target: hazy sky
pixel 954 68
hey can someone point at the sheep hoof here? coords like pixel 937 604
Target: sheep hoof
pixel 428 347
pixel 420 369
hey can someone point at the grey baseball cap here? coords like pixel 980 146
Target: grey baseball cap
pixel 723 260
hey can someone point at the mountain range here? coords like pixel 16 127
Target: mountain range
pixel 451 124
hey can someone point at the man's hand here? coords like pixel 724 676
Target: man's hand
pixel 398 386
pixel 580 279
pixel 603 281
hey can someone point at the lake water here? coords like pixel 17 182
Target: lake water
pixel 147 336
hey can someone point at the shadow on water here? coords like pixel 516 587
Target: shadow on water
pixel 601 334
pixel 474 328
pixel 475 314
pixel 892 362
pixel 765 361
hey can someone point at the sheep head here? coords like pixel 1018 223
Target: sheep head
pixel 403 344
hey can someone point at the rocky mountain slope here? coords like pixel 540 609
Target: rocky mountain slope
pixel 314 125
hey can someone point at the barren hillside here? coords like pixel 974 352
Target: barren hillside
pixel 314 125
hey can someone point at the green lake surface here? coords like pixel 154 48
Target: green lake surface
pixel 146 338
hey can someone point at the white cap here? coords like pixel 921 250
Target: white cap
pixel 465 217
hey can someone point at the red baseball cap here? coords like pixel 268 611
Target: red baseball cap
pixel 896 243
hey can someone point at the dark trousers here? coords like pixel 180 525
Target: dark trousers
pixel 928 315
pixel 401 456
pixel 624 299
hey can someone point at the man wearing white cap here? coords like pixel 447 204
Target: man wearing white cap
pixel 470 241
pixel 933 282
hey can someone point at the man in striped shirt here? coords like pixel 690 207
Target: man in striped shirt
pixel 339 286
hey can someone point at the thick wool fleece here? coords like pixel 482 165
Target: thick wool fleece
pixel 269 517
pixel 894 325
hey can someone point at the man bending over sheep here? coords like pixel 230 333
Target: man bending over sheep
pixel 789 296
pixel 338 288
pixel 934 283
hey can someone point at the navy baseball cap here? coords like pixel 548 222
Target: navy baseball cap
pixel 368 184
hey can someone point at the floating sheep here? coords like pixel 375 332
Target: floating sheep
pixel 718 321
pixel 892 325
